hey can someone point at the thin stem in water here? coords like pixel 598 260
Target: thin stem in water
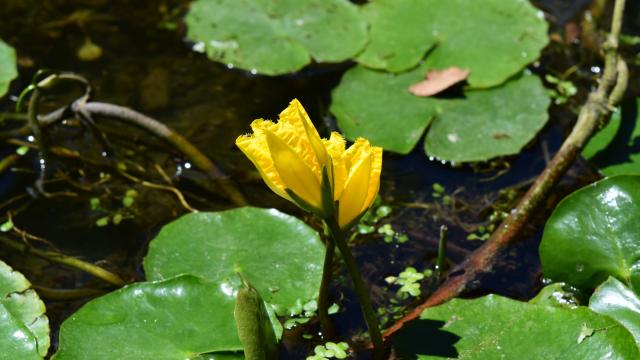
pixel 442 251
pixel 358 283
pixel 328 332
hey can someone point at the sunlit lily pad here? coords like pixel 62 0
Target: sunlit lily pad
pixel 593 234
pixel 494 327
pixel 378 106
pixel 616 148
pixel 278 254
pixel 276 36
pixel 485 124
pixel 21 311
pixel 179 318
pixel 494 39
pixel 489 123
pixel 8 70
pixel 617 301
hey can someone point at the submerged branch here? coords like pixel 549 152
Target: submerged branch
pixel 53 256
pixel 124 114
pixel 595 112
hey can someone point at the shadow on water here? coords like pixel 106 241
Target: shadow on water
pixel 433 340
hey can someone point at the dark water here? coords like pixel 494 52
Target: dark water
pixel 147 65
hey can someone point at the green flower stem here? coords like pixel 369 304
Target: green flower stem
pixel 328 331
pixel 361 290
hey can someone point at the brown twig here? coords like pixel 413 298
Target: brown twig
pixel 162 131
pixel 595 111
pixel 124 114
pixel 53 256
pixel 151 185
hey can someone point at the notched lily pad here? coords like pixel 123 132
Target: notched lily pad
pixel 494 327
pixel 494 39
pixel 276 36
pixel 278 254
pixel 593 234
pixel 485 124
pixel 378 106
pixel 24 312
pixel 489 123
pixel 179 318
pixel 8 69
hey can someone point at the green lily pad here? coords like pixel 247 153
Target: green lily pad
pixel 486 124
pixel 21 305
pixel 494 39
pixel 8 69
pixel 178 318
pixel 617 301
pixel 16 340
pixel 489 123
pixel 615 148
pixel 278 254
pixel 400 33
pixel 494 327
pixel 593 234
pixel 276 36
pixel 378 106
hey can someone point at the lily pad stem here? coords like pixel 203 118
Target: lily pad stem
pixel 361 290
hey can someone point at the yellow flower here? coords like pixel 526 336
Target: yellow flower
pixel 293 161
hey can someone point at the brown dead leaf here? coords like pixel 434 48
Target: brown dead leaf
pixel 439 80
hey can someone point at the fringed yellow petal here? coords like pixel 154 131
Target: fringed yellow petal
pixel 296 115
pixel 256 149
pixel 355 152
pixel 335 148
pixel 374 182
pixel 354 195
pixel 297 141
pixel 294 172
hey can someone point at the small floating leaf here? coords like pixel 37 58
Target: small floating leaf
pixel 22 150
pixel 6 226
